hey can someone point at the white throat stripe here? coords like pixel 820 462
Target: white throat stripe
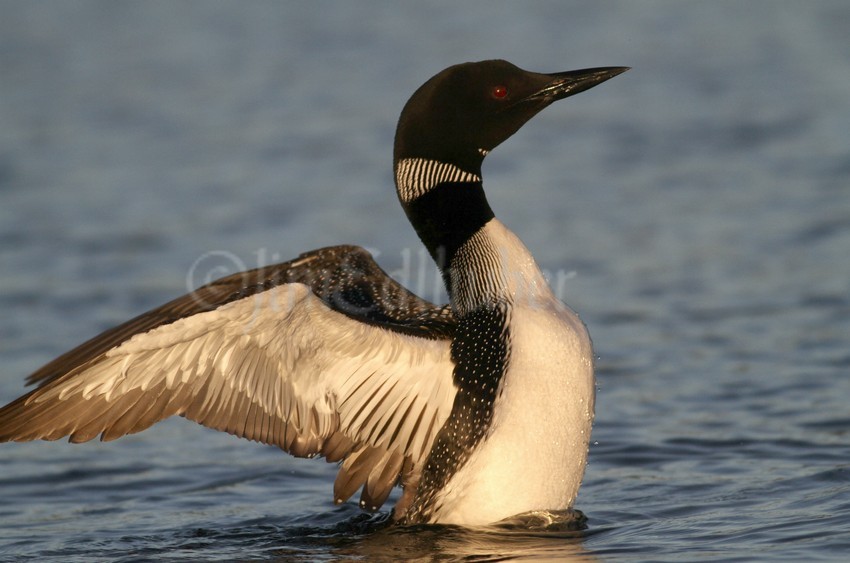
pixel 415 176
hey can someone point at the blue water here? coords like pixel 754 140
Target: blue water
pixel 695 211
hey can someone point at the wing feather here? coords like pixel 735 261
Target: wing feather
pixel 277 356
pixel 381 480
pixel 354 471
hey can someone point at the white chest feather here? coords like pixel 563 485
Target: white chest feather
pixel 534 454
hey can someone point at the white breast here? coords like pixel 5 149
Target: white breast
pixel 535 452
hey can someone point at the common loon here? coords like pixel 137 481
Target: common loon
pixel 481 409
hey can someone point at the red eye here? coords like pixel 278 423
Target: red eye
pixel 499 92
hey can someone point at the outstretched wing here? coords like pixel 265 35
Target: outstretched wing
pixel 324 355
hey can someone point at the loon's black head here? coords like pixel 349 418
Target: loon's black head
pixel 447 127
pixel 466 110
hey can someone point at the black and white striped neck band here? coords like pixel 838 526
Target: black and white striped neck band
pixel 415 176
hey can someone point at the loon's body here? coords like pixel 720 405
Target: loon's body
pixel 481 409
pixel 533 448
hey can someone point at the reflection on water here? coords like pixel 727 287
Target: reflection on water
pixel 375 538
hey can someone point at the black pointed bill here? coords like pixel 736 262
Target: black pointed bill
pixel 572 82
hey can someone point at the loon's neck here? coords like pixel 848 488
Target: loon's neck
pixel 495 266
pixel 481 260
pixel 445 204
